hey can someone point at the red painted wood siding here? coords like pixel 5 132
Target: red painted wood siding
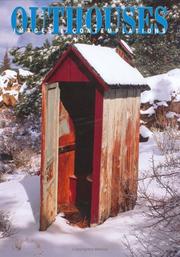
pixel 69 72
pixel 97 157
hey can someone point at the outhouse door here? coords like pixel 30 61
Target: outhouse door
pixel 49 159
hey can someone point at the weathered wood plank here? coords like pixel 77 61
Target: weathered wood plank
pixel 116 154
pixel 110 142
pixel 49 156
pixel 104 162
pixel 119 157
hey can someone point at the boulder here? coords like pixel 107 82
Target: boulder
pixel 9 100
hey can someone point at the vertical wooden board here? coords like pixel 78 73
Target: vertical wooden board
pixel 133 153
pixel 104 162
pixel 111 153
pixel 49 154
pixel 135 145
pixel 107 155
pixel 127 154
pixel 130 173
pixel 136 123
pixel 127 110
pixel 124 116
pixel 119 152
pixel 96 185
pixel 114 156
pixel 69 71
pixel 116 153
pixel 130 153
pixel 110 127
pixel 132 150
pixel 136 139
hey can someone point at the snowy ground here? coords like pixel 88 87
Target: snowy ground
pixel 19 197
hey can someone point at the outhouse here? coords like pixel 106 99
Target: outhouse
pixel 90 133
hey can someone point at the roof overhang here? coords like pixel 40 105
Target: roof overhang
pixel 144 87
pixel 93 75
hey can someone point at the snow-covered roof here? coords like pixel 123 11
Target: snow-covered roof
pixel 129 49
pixel 112 68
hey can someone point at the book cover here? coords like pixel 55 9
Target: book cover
pixel 89 128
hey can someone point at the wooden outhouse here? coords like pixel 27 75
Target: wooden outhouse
pixel 90 133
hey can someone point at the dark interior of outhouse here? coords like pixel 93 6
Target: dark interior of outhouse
pixel 79 102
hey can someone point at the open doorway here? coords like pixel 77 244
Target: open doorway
pixel 76 141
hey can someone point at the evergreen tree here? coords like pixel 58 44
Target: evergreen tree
pixel 6 63
pixel 157 54
pixel 154 53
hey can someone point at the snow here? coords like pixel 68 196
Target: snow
pixel 22 201
pixel 162 87
pixel 150 111
pixel 127 46
pixel 19 198
pixel 9 74
pixel 9 79
pixel 25 73
pixel 5 77
pixel 171 115
pixel 23 88
pixel 163 103
pixel 110 66
pixel 30 91
pixel 145 132
pixel 177 98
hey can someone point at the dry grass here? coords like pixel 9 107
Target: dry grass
pixel 5 225
pixel 21 158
